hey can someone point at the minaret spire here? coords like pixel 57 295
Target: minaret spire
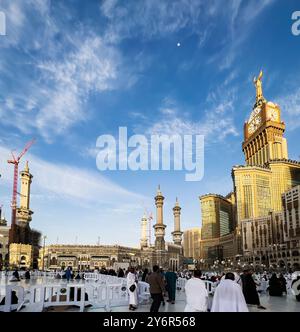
pixel 144 228
pixel 159 228
pixel 24 213
pixel 177 234
pixel 26 167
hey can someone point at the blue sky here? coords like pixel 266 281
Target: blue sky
pixel 73 70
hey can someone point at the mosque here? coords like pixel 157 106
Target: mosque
pixel 166 255
pixel 20 246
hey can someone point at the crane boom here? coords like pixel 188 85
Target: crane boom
pixel 15 162
pixel 27 147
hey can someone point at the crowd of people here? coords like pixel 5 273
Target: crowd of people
pixel 233 291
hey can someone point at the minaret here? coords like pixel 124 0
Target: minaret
pixel 159 226
pixel 144 228
pixel 23 212
pixel 177 234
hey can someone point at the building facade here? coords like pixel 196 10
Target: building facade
pixel 191 243
pixel 291 224
pixel 218 224
pixel 20 255
pixel 4 236
pixel 86 257
pixel 260 184
pixel 261 189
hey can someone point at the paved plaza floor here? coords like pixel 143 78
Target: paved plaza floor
pixel 271 303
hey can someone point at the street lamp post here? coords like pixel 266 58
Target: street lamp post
pixel 44 252
pixel 19 260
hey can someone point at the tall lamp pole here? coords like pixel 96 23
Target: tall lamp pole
pixel 44 252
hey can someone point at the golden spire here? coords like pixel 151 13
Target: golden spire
pixel 258 85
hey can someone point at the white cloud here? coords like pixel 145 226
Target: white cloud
pixel 65 182
pixel 74 65
pixel 290 109
pixel 9 102
pixel 151 19
pixel 241 20
pixel 57 98
pixel 216 123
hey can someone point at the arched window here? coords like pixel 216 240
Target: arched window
pixel 295 253
pixel 53 261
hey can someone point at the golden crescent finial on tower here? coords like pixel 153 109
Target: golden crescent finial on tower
pixel 258 85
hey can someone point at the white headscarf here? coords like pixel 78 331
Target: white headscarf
pixel 229 297
pixel 237 278
pixel 196 295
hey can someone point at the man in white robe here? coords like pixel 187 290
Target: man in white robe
pixel 228 296
pixel 131 283
pixel 196 294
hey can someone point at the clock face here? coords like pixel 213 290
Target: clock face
pixel 254 113
pixel 273 115
pixel 254 124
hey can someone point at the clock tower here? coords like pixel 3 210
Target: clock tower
pixel 263 132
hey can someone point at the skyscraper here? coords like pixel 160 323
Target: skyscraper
pixel 256 202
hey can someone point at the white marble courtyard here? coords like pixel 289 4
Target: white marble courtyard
pixel 272 304
pixel 98 289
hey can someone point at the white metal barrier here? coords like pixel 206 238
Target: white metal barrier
pixel 44 296
pixel 143 292
pixel 9 293
pixel 38 297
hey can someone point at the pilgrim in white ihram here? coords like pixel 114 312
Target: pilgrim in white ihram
pixel 229 296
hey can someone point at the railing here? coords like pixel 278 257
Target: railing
pixel 44 296
pixel 99 295
pixel 10 294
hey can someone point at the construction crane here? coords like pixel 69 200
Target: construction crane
pixel 15 161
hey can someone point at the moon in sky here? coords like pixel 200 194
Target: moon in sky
pixel 178 44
